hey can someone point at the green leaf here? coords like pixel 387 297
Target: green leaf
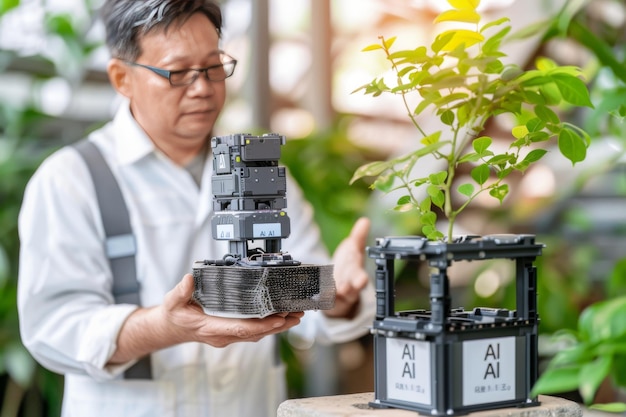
pixel 438 178
pixel 572 146
pixel 609 407
pixel 466 15
pixel 544 64
pixel 578 354
pixel 384 182
pixel 503 173
pixel 603 320
pixel 546 114
pixel 592 375
pixel 510 73
pixel 557 380
pixel 534 97
pixel 431 232
pixel 470 157
pixel 389 42
pixel 481 144
pixel 573 90
pixel 535 125
pixel 416 56
pixel 493 43
pixel 499 192
pixel 402 88
pixel 519 132
pixel 405 71
pixel 372 47
pixel 460 37
pixel 501 159
pixel 466 189
pixel 449 98
pixel 533 78
pixel 551 94
pixel 495 23
pixel 428 218
pixel 535 155
pixel 371 170
pixel 447 117
pixel 405 199
pixel 480 174
pixel 464 4
pixel 418 182
pixel 495 67
pixel 436 195
pixel 441 41
pixel 431 139
pixel 538 137
pixel 421 107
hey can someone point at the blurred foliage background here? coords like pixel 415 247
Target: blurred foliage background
pixel 581 222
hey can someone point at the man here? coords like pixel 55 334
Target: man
pixel 167 62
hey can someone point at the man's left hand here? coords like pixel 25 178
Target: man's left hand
pixel 349 271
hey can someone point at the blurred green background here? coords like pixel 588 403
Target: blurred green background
pixel 53 89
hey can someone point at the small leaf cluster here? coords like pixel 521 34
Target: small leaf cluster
pixel 463 81
pixel 598 351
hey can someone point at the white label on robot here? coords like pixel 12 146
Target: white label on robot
pixel 488 370
pixel 225 231
pixel 266 230
pixel 408 370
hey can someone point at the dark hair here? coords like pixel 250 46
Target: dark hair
pixel 126 21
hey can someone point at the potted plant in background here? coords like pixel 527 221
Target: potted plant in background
pixel 462 79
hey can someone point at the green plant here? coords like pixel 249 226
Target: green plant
pixel 596 345
pixel 595 351
pixel 463 80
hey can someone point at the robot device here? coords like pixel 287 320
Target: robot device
pixel 249 201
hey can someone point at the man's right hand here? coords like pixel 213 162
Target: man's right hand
pixel 187 317
pixel 180 319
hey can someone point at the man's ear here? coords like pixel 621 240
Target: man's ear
pixel 119 76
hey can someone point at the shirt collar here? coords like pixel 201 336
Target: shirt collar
pixel 130 140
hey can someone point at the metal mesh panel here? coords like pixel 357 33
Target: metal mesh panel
pixel 261 291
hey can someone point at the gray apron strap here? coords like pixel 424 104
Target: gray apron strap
pixel 120 241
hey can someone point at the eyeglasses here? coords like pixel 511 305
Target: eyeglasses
pixel 179 78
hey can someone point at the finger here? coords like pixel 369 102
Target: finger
pixel 350 275
pixel 348 294
pixel 255 329
pixel 360 231
pixel 186 286
pixel 181 294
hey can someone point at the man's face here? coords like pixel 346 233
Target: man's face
pixel 177 118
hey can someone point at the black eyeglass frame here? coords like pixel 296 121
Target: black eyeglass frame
pixel 168 74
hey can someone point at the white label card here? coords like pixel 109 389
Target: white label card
pixel 488 370
pixel 266 230
pixel 408 370
pixel 225 231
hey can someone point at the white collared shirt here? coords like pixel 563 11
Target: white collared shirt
pixel 68 318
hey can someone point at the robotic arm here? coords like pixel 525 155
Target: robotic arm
pixel 255 278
